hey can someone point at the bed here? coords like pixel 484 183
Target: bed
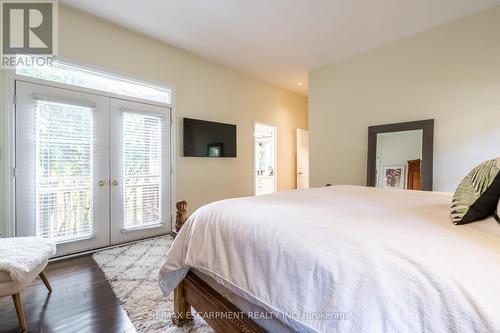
pixel 337 259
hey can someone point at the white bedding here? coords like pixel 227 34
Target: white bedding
pixel 383 260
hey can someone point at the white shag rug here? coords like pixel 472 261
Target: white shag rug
pixel 132 271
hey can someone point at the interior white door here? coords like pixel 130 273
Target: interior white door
pixel 302 158
pixel 62 166
pixel 141 204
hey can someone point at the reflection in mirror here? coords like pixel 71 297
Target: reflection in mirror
pixel 398 160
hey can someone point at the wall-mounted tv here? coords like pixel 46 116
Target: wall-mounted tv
pixel 209 139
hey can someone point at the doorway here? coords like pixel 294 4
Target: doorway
pixel 265 159
pixel 302 158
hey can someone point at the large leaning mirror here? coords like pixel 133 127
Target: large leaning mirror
pixel 400 155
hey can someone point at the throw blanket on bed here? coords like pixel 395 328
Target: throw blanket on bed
pixel 348 259
pixel 19 256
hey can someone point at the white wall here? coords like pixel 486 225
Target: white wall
pixel 451 74
pixel 397 149
pixel 205 90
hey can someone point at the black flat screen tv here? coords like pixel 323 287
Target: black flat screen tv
pixel 209 139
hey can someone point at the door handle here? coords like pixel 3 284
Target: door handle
pixel 100 183
pixel 115 182
pixel 300 173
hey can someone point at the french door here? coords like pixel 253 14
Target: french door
pixel 140 171
pixel 91 170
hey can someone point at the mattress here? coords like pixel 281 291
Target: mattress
pixel 347 259
pixel 260 315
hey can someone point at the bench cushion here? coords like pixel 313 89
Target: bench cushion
pixel 11 287
pixel 20 256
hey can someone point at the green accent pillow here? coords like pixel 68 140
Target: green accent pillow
pixel 478 194
pixel 497 213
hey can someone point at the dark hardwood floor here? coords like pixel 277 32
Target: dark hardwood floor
pixel 82 301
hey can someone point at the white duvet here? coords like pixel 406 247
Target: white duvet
pixel 348 259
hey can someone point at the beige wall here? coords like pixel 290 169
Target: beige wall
pixel 203 90
pixel 451 74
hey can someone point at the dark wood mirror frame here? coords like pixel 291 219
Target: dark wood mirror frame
pixel 427 126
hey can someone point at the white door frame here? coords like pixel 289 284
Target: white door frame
pixel 9 79
pixel 254 179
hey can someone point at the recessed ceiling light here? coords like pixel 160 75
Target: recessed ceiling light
pixel 300 83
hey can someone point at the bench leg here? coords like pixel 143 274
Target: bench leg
pixel 19 310
pixel 45 281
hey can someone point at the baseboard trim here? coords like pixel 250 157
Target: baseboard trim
pixel 92 251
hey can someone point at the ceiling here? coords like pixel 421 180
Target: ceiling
pixel 279 41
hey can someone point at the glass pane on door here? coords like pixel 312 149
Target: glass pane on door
pixel 142 152
pixel 64 148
